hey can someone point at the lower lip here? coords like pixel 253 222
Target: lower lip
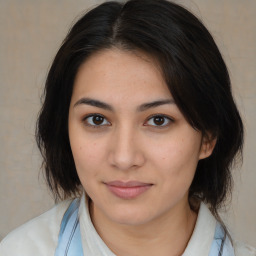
pixel 128 192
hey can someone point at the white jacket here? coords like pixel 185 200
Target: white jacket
pixel 39 237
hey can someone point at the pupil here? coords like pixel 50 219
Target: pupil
pixel 159 120
pixel 98 120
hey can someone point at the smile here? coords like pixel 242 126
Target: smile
pixel 127 190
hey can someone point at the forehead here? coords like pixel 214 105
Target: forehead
pixel 119 73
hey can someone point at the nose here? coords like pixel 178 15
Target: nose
pixel 126 153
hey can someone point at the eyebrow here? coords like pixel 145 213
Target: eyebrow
pixel 106 106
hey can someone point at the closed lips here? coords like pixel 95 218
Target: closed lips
pixel 128 190
pixel 128 184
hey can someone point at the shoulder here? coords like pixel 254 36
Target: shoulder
pixel 242 249
pixel 39 236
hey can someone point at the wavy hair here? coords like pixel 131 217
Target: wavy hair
pixel 192 67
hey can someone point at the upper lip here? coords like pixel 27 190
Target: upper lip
pixel 127 184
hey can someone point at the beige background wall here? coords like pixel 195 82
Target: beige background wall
pixel 30 33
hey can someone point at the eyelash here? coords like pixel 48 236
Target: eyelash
pixel 170 120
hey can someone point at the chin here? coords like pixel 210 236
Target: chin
pixel 130 217
pixel 129 221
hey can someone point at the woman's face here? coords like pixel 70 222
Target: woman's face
pixel 134 152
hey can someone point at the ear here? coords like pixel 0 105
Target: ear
pixel 207 146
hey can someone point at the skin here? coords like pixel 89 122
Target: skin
pixel 128 144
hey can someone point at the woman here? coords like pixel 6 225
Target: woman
pixel 138 132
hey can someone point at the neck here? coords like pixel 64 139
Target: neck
pixel 167 235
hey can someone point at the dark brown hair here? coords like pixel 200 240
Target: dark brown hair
pixel 194 71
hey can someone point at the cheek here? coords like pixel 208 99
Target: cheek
pixel 169 151
pixel 87 156
pixel 175 164
pixel 176 156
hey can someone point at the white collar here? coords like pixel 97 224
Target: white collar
pixel 203 234
pixel 92 243
pixel 199 244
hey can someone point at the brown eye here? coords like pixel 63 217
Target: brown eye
pixel 159 121
pixel 98 120
pixel 95 120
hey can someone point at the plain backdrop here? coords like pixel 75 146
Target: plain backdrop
pixel 30 34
